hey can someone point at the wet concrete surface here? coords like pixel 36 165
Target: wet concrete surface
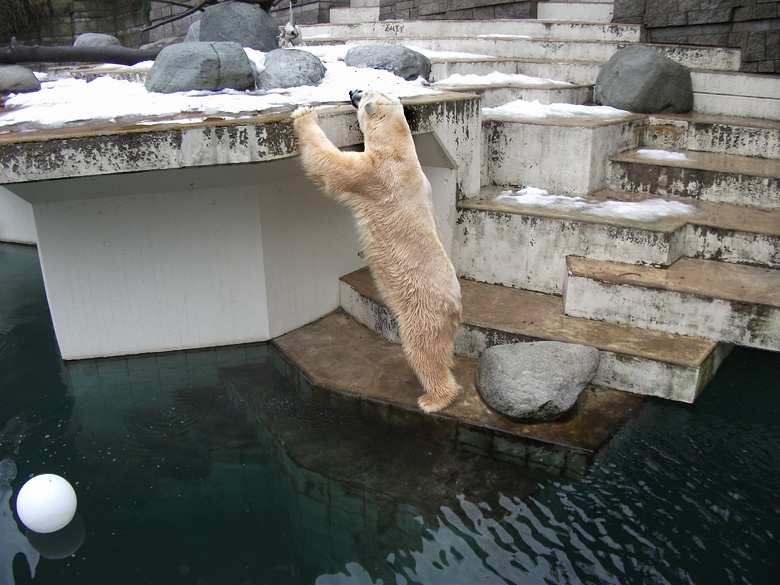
pixel 342 360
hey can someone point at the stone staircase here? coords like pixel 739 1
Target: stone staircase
pixel 664 298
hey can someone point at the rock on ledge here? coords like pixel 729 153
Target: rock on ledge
pixel 396 59
pixel 535 381
pixel 206 66
pixel 640 79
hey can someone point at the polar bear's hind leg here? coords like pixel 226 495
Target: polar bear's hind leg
pixel 429 353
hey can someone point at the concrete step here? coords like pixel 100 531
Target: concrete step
pixel 444 64
pixel 535 29
pixel 519 150
pixel 496 94
pixel 711 300
pixel 713 133
pixel 526 245
pixel 699 175
pixel 354 15
pixel 533 49
pixel 736 94
pixel 576 11
pixel 633 360
pixel 373 378
pixel 726 232
pixel 501 46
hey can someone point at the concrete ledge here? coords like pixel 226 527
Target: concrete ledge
pixel 559 154
pixel 632 360
pixel 374 372
pixel 711 300
pixel 469 28
pixel 713 133
pixel 207 233
pixel 496 95
pixel 702 175
pixel 526 247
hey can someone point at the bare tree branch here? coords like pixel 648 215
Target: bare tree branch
pixel 16 53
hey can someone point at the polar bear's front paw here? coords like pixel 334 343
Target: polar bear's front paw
pixel 302 112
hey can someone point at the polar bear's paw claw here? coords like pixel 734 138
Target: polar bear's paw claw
pixel 301 112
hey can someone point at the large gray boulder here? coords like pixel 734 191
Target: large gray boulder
pixel 640 79
pixel 96 40
pixel 17 79
pixel 204 66
pixel 535 381
pixel 290 68
pixel 396 59
pixel 239 22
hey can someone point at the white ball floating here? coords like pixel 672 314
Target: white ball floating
pixel 46 503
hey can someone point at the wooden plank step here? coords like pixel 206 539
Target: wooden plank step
pixel 702 298
pixel 700 175
pixel 634 360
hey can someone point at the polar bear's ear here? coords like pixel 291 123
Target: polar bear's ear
pixel 369 108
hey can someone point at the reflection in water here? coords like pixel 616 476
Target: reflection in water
pixel 12 540
pixel 210 467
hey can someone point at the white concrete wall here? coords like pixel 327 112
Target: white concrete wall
pixel 206 256
pixel 16 219
pixel 187 258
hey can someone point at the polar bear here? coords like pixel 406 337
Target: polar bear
pixel 391 200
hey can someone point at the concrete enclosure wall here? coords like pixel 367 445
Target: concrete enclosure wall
pixel 750 25
pixel 753 26
pixel 204 256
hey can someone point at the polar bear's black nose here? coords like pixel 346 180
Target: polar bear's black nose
pixel 355 95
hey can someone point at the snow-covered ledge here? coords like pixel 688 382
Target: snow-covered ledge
pixel 205 233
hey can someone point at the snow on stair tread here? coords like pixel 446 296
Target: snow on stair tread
pixel 708 161
pixel 486 202
pixel 713 214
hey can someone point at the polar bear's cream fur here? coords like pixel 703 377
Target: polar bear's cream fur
pixel 391 200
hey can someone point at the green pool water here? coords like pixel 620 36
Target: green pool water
pixel 187 473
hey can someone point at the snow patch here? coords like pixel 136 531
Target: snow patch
pixel 648 210
pixel 535 110
pixel 66 100
pixel 664 155
pixel 497 78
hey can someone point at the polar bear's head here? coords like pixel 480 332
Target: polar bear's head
pixel 375 108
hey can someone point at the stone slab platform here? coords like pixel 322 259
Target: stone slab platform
pixel 342 357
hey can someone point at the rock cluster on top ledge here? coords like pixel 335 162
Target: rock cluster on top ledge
pixel 640 79
pixel 538 381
